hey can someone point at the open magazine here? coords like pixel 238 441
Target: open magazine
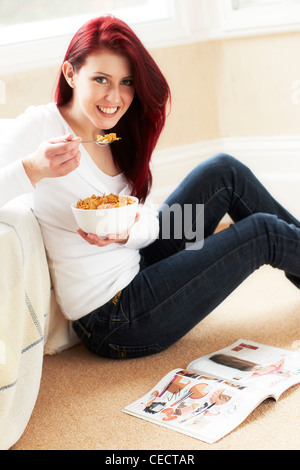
pixel 218 391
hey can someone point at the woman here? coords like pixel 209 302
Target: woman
pixel 136 293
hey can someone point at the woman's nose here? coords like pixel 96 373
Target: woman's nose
pixel 113 95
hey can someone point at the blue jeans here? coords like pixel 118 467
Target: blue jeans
pixel 177 287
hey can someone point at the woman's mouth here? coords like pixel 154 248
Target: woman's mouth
pixel 108 111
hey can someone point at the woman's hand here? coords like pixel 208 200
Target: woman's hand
pixel 55 158
pixel 95 240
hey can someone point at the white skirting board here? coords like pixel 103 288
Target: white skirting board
pixel 274 160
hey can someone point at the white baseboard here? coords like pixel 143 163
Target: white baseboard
pixel 274 160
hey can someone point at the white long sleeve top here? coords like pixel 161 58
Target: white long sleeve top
pixel 84 276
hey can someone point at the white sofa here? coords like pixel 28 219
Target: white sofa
pixel 31 322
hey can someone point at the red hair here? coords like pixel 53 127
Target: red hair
pixel 143 122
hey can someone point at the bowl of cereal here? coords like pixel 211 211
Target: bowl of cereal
pixel 105 215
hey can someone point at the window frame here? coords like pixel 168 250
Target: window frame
pixel 154 10
pixel 186 21
pixel 272 18
pixel 171 27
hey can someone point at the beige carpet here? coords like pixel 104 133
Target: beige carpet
pixel 81 396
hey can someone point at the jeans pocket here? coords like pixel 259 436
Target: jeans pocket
pixel 82 327
pixel 131 352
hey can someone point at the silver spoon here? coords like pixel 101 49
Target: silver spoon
pixel 96 142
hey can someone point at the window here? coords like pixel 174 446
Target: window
pixel 27 11
pixel 36 33
pixel 262 15
pixel 27 20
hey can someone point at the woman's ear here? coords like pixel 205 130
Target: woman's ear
pixel 69 73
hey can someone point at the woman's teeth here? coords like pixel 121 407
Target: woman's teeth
pixel 107 110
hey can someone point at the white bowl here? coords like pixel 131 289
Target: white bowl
pixel 103 222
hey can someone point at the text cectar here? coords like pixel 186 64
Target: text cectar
pixel 153 459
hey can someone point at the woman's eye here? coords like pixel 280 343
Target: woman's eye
pixel 127 82
pixel 101 80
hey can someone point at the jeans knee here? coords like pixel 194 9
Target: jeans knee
pixel 264 222
pixel 224 159
pixel 225 163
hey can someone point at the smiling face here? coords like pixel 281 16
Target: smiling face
pixel 103 90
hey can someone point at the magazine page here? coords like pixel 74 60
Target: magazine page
pixel 201 406
pixel 253 364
